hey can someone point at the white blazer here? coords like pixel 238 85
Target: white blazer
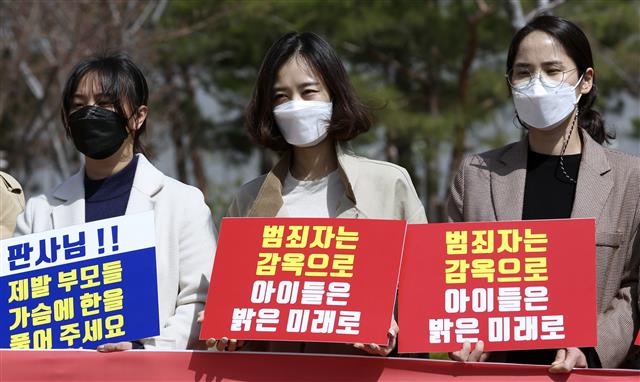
pixel 185 242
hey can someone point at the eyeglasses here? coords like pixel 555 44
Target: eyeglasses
pixel 522 78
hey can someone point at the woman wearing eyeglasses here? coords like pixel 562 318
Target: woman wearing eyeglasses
pixel 560 170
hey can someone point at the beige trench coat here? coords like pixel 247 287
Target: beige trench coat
pixel 373 190
pixel 11 204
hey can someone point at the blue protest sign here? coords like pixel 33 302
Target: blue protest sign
pixel 80 286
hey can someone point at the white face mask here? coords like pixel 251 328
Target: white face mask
pixel 544 107
pixel 303 123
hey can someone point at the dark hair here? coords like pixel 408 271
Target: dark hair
pixel 350 116
pixel 576 44
pixel 121 81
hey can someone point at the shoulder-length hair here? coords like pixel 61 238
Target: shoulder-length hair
pixel 350 116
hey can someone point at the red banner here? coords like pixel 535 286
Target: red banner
pixel 318 280
pixel 144 365
pixel 513 285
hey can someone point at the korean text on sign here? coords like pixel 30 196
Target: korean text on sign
pixel 505 283
pixel 80 286
pixel 306 279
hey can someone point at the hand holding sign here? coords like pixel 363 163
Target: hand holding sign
pixel 567 359
pixel 293 279
pixel 503 283
pixel 227 344
pixel 119 346
pixel 382 350
pixel 467 355
pixel 80 286
pixel 223 343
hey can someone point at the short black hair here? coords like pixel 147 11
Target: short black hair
pixel 121 81
pixel 577 46
pixel 350 116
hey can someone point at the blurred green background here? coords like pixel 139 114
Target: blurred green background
pixel 432 70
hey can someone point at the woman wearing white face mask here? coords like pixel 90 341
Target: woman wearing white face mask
pixel 304 106
pixel 560 170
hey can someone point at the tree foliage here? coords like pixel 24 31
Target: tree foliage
pixel 432 71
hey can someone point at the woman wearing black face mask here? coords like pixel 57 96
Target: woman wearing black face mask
pixel 104 110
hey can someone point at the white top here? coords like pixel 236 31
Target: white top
pixel 311 198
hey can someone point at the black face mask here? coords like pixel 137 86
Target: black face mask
pixel 97 132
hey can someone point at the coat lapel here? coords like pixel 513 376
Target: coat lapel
pixel 71 210
pixel 347 167
pixel 594 180
pixel 269 199
pixel 507 181
pixel 147 182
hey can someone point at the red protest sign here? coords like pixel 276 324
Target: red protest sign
pixel 514 285
pixel 304 279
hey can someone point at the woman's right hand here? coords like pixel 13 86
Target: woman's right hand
pixel 467 355
pixel 200 316
pixel 223 343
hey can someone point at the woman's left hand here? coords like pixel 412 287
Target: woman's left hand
pixel 382 350
pixel 567 359
pixel 118 346
pixel 200 316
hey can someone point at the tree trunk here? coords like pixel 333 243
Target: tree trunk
pixel 514 9
pixel 180 150
pixel 460 127
pixel 432 178
pixel 192 130
pixel 199 172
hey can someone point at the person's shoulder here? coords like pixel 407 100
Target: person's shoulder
pixel 11 194
pixel 625 164
pixel 40 205
pixel 492 155
pixel 187 192
pixel 245 196
pixel 173 183
pixel 622 159
pixel 41 199
pixel 484 161
pixel 51 198
pixel 251 188
pixel 9 182
pixel 153 180
pixel 379 170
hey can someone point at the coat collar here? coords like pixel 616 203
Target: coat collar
pixel 147 182
pixel 269 199
pixel 594 180
pixel 507 181
pixel 511 172
pixel 71 194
